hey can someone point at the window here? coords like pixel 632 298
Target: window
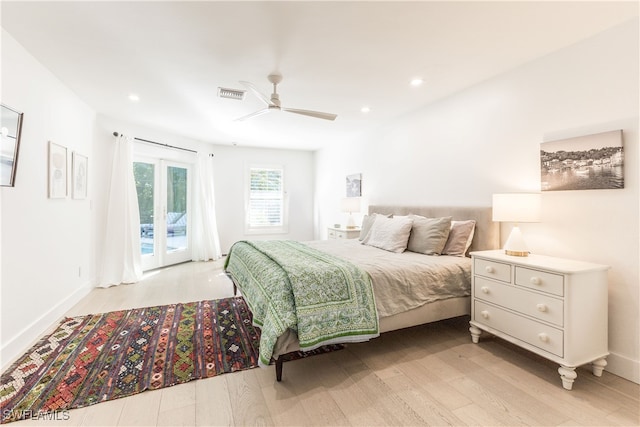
pixel 266 200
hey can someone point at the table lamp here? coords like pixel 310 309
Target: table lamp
pixel 516 208
pixel 350 205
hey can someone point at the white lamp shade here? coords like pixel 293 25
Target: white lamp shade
pixel 516 207
pixel 350 204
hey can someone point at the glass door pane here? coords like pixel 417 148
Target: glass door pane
pixel 176 198
pixel 176 208
pixel 144 174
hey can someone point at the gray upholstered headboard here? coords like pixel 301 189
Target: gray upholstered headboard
pixel 487 234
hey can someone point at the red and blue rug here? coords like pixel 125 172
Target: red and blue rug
pixel 95 358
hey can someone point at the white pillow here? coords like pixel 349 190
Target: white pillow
pixel 390 234
pixel 367 222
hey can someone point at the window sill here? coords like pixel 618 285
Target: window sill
pixel 267 231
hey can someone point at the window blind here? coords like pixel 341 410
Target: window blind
pixel 266 198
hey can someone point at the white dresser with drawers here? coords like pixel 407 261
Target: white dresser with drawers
pixel 554 307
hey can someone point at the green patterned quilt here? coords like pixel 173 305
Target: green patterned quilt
pixel 287 284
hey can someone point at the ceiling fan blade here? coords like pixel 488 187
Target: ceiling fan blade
pixel 257 113
pixel 257 93
pixel 316 114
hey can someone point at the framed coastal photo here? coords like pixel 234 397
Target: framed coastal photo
pixel 80 165
pixel 354 185
pixel 57 171
pixel 587 162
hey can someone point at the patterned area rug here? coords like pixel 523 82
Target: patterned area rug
pixel 95 358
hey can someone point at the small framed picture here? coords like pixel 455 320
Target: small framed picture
pixel 80 164
pixel 57 171
pixel 354 185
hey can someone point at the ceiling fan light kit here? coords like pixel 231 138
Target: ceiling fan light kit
pixel 273 102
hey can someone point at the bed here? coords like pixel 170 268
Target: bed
pixel 407 288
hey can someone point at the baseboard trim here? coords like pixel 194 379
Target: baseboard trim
pixel 624 367
pixel 28 336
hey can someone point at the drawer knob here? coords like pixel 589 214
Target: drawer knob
pixel 535 280
pixel 542 307
pixel 489 269
pixel 484 289
pixel 484 314
pixel 543 337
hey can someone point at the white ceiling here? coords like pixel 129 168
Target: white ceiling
pixel 335 57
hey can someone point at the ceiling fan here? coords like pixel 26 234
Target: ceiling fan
pixel 273 103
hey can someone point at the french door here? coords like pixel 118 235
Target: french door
pixel 164 199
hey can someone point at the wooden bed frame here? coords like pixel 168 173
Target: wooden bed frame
pixel 486 236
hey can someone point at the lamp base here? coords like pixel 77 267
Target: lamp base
pixel 515 245
pixel 351 224
pixel 516 253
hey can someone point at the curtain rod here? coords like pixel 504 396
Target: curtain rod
pixel 159 143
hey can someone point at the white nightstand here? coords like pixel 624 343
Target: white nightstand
pixel 554 307
pixel 343 233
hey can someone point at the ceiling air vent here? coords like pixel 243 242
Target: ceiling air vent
pixel 231 93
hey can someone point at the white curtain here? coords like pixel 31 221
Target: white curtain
pixel 121 261
pixel 205 239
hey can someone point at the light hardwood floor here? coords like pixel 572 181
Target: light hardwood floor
pixel 426 375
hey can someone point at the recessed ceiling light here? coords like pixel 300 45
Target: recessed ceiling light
pixel 365 109
pixel 133 97
pixel 417 81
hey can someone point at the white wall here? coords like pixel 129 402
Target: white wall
pixel 486 139
pixel 46 243
pixel 230 164
pixel 229 171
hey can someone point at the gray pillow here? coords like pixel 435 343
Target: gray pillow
pixel 429 235
pixel 460 238
pixel 390 234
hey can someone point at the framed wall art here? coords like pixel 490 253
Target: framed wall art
pixel 79 166
pixel 354 185
pixel 583 163
pixel 10 129
pixel 57 171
